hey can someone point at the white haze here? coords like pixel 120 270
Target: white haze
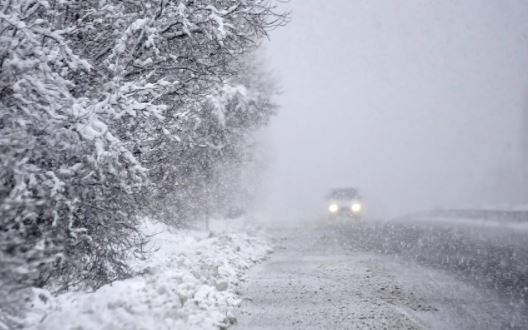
pixel 418 103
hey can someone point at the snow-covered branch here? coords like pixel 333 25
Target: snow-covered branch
pixel 108 110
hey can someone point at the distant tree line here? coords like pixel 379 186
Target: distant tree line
pixel 114 109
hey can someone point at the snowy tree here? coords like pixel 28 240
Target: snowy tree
pixel 203 171
pixel 110 108
pixel 61 166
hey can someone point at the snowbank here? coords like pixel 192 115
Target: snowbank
pixel 189 281
pixel 512 218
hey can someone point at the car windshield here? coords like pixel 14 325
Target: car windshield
pixel 347 193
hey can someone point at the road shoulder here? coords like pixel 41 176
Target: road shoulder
pixel 311 282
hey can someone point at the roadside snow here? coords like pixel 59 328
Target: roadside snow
pixel 505 224
pixel 189 281
pixel 456 220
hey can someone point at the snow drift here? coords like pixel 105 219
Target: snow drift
pixel 189 279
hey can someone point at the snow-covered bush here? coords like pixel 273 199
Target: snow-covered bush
pixel 109 108
pixel 202 174
pixel 66 182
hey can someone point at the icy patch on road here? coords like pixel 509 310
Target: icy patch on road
pixel 189 281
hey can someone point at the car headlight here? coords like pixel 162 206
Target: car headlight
pixel 333 208
pixel 356 207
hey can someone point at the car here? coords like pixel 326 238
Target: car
pixel 344 203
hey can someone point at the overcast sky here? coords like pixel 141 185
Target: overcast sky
pixel 417 103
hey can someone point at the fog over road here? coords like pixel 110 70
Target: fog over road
pixel 404 274
pixel 418 103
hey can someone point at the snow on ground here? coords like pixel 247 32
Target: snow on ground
pixel 512 218
pixel 189 280
pixel 333 276
pixel 499 224
pixel 315 281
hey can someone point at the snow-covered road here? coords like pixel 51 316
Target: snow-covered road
pixel 349 277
